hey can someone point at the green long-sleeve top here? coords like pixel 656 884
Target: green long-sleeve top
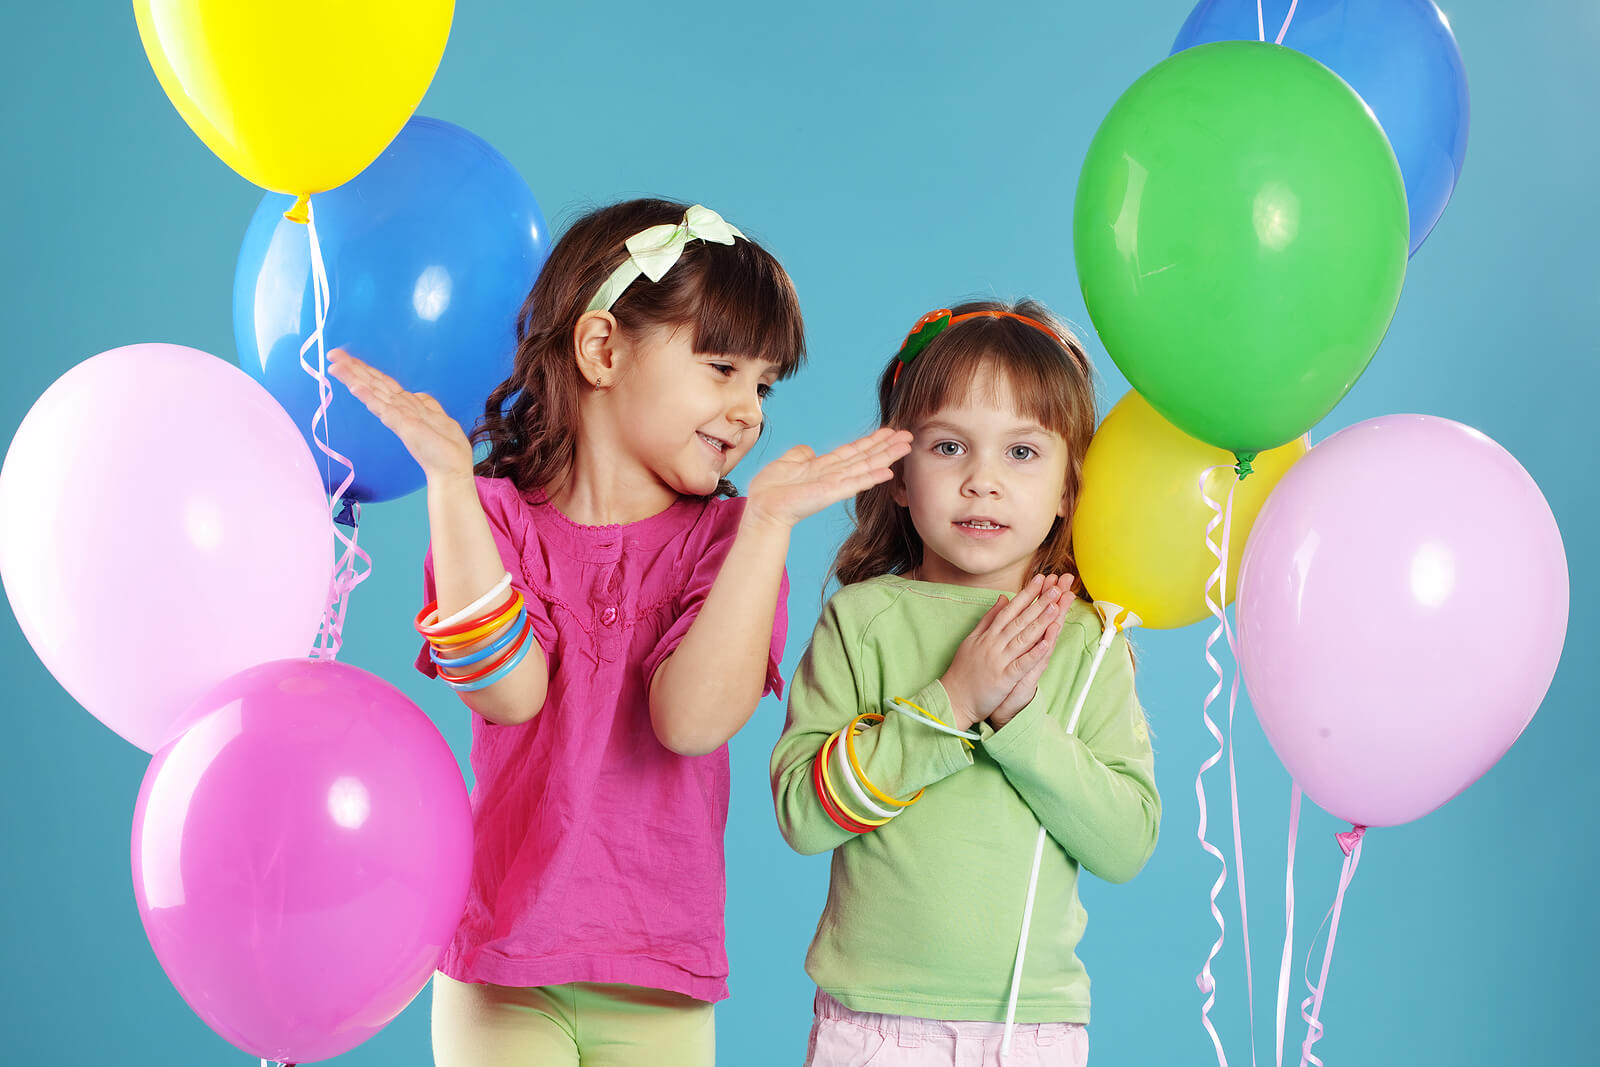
pixel 923 913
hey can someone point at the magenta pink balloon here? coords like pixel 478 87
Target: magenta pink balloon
pixel 1402 606
pixel 301 856
pixel 162 526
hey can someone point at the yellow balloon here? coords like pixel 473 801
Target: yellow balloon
pixel 296 95
pixel 1139 531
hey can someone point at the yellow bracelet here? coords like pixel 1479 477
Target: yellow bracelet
pixel 513 606
pixel 833 794
pixel 855 764
pixel 930 715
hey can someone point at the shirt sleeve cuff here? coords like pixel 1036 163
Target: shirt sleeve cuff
pixel 1017 738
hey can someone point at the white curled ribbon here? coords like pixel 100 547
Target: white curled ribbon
pixel 653 251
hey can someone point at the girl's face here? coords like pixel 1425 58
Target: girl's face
pixel 984 485
pixel 685 416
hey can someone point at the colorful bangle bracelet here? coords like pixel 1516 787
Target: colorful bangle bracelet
pixel 521 642
pixel 826 757
pixel 477 605
pixel 834 814
pixel 929 719
pixel 483 653
pixel 861 775
pixel 466 637
pixel 839 767
pixel 435 631
pixel 509 665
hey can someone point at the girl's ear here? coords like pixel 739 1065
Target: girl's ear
pixel 897 486
pixel 597 345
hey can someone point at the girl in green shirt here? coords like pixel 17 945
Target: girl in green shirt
pixel 943 714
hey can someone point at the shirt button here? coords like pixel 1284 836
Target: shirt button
pixel 608 616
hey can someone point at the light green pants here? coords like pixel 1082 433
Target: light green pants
pixel 584 1024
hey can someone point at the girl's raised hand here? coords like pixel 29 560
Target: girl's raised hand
pixel 800 482
pixel 433 438
pixel 1012 640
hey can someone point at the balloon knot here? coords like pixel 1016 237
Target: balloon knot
pixel 347 514
pixel 1244 468
pixel 1347 840
pixel 301 211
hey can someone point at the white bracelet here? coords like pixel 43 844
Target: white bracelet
pixel 478 605
pixel 933 724
pixel 860 794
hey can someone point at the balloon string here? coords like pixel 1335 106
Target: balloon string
pixel 1350 842
pixel 1218 577
pixel 1286 20
pixel 1110 615
pixel 1233 774
pixel 1261 23
pixel 345 576
pixel 1288 916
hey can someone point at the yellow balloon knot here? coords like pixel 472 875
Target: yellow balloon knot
pixel 301 211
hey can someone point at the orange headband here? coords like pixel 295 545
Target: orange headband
pixel 936 322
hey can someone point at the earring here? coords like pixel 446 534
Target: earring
pixel 599 383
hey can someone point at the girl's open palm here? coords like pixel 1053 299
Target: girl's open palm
pixel 800 482
pixel 433 438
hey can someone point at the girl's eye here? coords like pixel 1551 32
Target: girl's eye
pixel 947 448
pixel 763 391
pixel 724 369
pixel 1022 452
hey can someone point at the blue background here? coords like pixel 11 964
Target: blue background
pixel 896 156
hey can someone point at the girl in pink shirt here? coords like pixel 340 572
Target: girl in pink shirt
pixel 612 614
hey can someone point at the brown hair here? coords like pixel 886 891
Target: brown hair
pixel 737 298
pixel 1051 378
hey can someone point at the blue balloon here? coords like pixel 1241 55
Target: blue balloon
pixel 429 253
pixel 1398 54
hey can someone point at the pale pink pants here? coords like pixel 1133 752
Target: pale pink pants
pixel 844 1038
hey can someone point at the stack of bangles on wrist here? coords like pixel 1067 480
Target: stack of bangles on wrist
pixel 505 627
pixel 863 807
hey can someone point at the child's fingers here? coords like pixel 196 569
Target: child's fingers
pixel 1033 660
pixel 1025 597
pixel 1040 597
pixel 349 369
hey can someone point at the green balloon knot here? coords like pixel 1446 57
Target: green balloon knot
pixel 1244 468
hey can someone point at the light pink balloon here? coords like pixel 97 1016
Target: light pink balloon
pixel 301 856
pixel 162 526
pixel 1402 607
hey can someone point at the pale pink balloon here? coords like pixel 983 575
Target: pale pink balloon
pixel 301 856
pixel 1402 606
pixel 162 526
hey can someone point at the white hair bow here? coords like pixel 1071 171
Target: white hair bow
pixel 653 251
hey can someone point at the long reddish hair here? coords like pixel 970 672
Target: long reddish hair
pixel 1051 378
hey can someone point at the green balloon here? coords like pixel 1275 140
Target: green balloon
pixel 1240 233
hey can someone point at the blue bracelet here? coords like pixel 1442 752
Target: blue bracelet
pixel 499 672
pixel 483 653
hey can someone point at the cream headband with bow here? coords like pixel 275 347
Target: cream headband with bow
pixel 653 251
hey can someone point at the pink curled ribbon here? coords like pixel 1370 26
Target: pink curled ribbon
pixel 1261 27
pixel 1288 915
pixel 346 575
pixel 1222 514
pixel 1350 844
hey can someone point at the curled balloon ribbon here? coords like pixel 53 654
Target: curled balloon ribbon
pixel 1206 981
pixel 1261 27
pixel 346 575
pixel 1288 916
pixel 1114 619
pixel 1350 843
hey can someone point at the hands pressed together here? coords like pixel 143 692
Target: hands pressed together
pixel 996 670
